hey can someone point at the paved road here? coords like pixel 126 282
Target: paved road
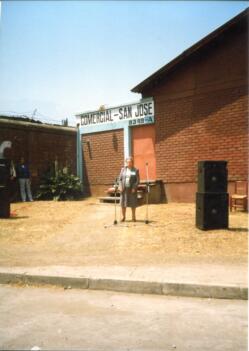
pixel 54 318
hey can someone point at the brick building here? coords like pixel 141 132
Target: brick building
pixel 200 113
pixel 40 145
pixel 194 108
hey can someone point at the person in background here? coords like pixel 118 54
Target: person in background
pixel 23 176
pixel 128 183
pixel 12 170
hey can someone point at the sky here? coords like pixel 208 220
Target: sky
pixel 59 58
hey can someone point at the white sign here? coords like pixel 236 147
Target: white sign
pixel 138 113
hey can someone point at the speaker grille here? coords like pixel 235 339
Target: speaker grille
pixel 211 211
pixel 4 202
pixel 212 176
pixel 4 171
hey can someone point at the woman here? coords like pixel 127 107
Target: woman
pixel 128 183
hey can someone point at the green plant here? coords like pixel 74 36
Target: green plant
pixel 59 187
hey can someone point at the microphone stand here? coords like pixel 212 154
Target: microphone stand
pixel 115 194
pixel 147 193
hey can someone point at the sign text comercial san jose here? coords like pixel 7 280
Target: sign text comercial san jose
pixel 138 113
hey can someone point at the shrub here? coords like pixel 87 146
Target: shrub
pixel 59 187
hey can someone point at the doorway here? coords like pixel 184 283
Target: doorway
pixel 143 148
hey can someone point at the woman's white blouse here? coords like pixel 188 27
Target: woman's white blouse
pixel 127 177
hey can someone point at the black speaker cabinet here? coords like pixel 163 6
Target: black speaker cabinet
pixel 4 171
pixel 211 211
pixel 4 202
pixel 212 177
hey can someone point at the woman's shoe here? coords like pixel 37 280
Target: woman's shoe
pixel 122 220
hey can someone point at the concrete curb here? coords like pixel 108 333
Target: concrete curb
pixel 130 286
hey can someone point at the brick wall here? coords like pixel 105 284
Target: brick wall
pixel 40 145
pixel 103 157
pixel 201 112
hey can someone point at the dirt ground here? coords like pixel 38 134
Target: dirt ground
pixel 82 233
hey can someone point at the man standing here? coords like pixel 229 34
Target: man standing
pixel 23 176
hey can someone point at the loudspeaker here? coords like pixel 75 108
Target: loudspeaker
pixel 211 211
pixel 4 171
pixel 4 202
pixel 212 176
pixel 4 188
